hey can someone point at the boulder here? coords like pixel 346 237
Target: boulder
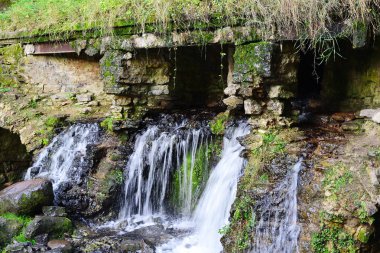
pixel 27 197
pixel 56 211
pixel 368 113
pixel 8 229
pixel 376 117
pixel 55 227
pixel 61 245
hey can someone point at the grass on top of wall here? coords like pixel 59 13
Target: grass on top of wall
pixel 274 19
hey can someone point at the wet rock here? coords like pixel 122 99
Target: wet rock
pixel 8 229
pixel 19 247
pixel 56 211
pixel 252 107
pixel 27 197
pixel 153 235
pixel 55 227
pixel 61 245
pixel 111 244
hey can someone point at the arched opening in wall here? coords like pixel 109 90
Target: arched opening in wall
pixel 200 76
pixel 14 158
pixel 310 76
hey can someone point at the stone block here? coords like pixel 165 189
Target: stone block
pixel 233 101
pixel 276 107
pixel 252 107
pixel 158 90
pixel 84 98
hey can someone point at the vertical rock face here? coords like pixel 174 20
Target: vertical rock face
pixel 14 158
pixel 352 82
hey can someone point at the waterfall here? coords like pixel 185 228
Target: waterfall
pixel 214 206
pixel 158 154
pixel 67 157
pixel 277 229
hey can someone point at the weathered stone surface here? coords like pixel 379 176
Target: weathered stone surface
pixel 233 101
pixel 159 90
pixel 279 91
pixel 84 98
pixel 27 197
pixel 56 211
pixel 8 229
pixel 122 101
pixel 55 227
pixel 376 117
pixel 276 107
pixel 252 107
pixel 62 245
pixel 246 91
pixel 368 113
pixel 231 89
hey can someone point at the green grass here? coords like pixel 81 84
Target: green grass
pixel 305 20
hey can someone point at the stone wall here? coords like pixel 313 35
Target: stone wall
pixel 262 78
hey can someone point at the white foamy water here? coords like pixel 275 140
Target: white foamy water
pixel 158 154
pixel 213 209
pixel 277 229
pixel 66 158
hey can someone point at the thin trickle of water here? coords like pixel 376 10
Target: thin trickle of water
pixel 156 156
pixel 213 209
pixel 66 158
pixel 277 229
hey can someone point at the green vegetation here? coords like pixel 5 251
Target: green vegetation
pixel 24 220
pixel 333 240
pixel 336 179
pixel 218 124
pixel 107 124
pixel 10 63
pixel 307 20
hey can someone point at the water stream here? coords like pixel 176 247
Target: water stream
pixel 213 209
pixel 158 154
pixel 67 158
pixel 277 229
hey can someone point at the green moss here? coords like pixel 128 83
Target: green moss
pixel 198 177
pixel 218 124
pixel 20 218
pixel 252 59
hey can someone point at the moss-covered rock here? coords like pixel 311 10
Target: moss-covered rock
pixel 8 229
pixel 27 197
pixel 55 227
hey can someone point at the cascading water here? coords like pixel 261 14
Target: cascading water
pixel 67 157
pixel 213 209
pixel 277 229
pixel 157 155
